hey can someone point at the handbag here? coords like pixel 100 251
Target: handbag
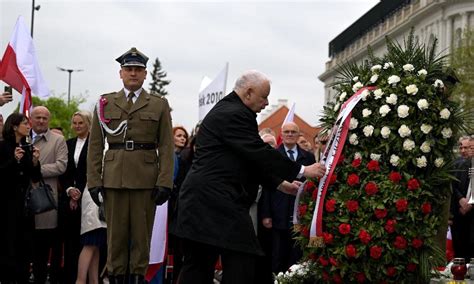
pixel 40 199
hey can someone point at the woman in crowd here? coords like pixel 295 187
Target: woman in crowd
pixel 19 168
pixel 80 218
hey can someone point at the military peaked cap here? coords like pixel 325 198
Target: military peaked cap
pixel 133 57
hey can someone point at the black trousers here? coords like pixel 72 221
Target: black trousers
pixel 46 241
pixel 285 252
pixel 200 260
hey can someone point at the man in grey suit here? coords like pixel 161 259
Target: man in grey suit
pixel 53 161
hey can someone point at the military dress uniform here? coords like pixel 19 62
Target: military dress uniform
pixel 138 160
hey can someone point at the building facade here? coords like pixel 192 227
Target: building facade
pixel 445 20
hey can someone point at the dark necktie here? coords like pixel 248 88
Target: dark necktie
pixel 290 153
pixel 130 100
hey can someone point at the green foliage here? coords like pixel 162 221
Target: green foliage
pixel 462 59
pixel 158 83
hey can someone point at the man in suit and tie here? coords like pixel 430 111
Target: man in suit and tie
pixel 136 172
pixel 277 211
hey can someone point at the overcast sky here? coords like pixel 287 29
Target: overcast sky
pixel 286 40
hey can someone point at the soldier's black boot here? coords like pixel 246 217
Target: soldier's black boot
pixel 119 279
pixel 137 279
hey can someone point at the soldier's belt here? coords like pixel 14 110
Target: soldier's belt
pixel 131 145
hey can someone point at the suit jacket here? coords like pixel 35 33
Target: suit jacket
pixel 230 161
pixel 149 121
pixel 460 187
pixel 278 205
pixel 53 159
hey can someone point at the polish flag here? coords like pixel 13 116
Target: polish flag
pixel 19 67
pixel 289 118
pixel 159 241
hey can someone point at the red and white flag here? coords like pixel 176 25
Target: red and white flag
pixel 288 118
pixel 159 241
pixel 19 67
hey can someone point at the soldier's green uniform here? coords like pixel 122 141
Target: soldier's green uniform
pixel 139 159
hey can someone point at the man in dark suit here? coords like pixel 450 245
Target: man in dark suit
pixel 463 214
pixel 136 172
pixel 277 207
pixel 230 161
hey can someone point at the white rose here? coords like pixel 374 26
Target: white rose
pixel 368 130
pixel 411 89
pixel 444 113
pixel 388 65
pixel 342 96
pixel 357 86
pixel 408 144
pixel 376 68
pixel 422 104
pixel 439 162
pixel 408 67
pixel 446 132
pixel 355 79
pixel 385 131
pixel 403 111
pixel 357 155
pixel 353 139
pixel 421 162
pixel 336 107
pixel 426 128
pixel 404 131
pixel 392 99
pixel 394 160
pixel 353 123
pixel 374 78
pixel 438 83
pixel 393 79
pixel 378 94
pixel 375 157
pixel 422 72
pixel 365 93
pixel 366 112
pixel 425 147
pixel 384 110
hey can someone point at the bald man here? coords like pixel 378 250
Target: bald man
pixel 53 160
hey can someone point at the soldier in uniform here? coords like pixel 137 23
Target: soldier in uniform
pixel 136 172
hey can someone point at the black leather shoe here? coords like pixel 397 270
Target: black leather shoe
pixel 119 279
pixel 137 279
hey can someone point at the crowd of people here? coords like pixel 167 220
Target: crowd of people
pixel 230 189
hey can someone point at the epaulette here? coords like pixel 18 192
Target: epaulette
pixel 108 94
pixel 158 95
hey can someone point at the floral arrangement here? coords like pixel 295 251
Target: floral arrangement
pixel 385 198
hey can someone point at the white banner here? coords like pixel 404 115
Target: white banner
pixel 212 93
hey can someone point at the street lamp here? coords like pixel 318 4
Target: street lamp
pixel 33 9
pixel 69 87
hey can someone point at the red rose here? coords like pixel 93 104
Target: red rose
pixel 380 213
pixel 375 252
pixel 411 267
pixel 351 251
pixel 360 277
pixel 344 229
pixel 416 243
pixel 371 188
pixel 337 279
pixel 305 231
pixel 326 276
pixel 333 178
pixel 395 177
pixel 400 243
pixel 341 160
pixel 390 226
pixel 333 261
pixel 330 205
pixel 328 238
pixel 314 195
pixel 391 271
pixel 356 163
pixel 312 256
pixel 302 210
pixel 402 205
pixel 353 179
pixel 373 166
pixel 426 208
pixel 352 205
pixel 413 184
pixel 323 261
pixel 364 236
pixel 309 186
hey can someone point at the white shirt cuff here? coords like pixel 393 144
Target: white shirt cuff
pixel 300 174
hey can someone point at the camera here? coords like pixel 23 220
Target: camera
pixel 28 148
